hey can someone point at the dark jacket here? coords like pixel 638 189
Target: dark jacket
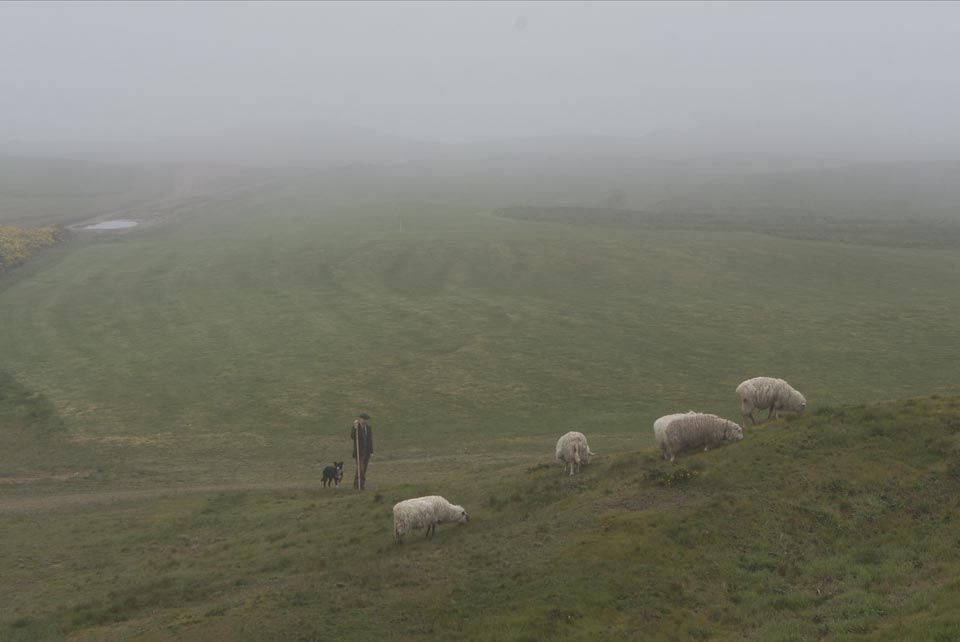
pixel 365 440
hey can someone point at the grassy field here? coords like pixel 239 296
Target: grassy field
pixel 43 191
pixel 840 525
pixel 166 396
pixel 927 233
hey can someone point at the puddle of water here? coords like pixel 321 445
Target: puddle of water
pixel 118 224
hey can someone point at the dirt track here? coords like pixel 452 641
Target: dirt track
pixel 17 496
pixel 20 504
pixel 169 208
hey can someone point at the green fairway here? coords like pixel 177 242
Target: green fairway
pixel 166 395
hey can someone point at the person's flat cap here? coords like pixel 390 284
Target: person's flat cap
pixel 364 415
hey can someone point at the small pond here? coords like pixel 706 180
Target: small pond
pixel 118 224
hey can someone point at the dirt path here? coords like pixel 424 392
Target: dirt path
pixel 169 207
pixel 20 504
pixel 17 496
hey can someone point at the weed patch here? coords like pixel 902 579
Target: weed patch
pixel 676 476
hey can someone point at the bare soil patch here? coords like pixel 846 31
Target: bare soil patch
pixel 20 504
pixel 35 476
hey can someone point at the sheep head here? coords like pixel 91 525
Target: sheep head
pixel 733 433
pixel 796 402
pixel 460 514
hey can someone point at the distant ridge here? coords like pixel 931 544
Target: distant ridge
pixel 321 145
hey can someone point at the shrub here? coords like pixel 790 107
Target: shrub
pixel 671 478
pixel 17 244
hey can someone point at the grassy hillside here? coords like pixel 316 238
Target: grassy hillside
pixel 37 192
pixel 166 395
pixel 254 330
pixel 942 234
pixel 882 192
pixel 43 191
pixel 842 524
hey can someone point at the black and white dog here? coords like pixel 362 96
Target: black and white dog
pixel 332 474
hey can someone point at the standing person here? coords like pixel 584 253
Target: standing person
pixel 362 436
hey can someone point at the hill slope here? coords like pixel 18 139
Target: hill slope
pixel 246 334
pixel 41 191
pixel 843 524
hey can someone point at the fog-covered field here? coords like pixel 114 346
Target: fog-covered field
pixel 171 393
pixel 227 229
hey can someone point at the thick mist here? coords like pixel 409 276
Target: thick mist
pixel 821 78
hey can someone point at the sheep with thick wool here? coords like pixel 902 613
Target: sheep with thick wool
pixel 661 424
pixel 425 512
pixel 573 451
pixel 761 393
pixel 698 430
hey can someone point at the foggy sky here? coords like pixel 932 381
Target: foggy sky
pixel 461 72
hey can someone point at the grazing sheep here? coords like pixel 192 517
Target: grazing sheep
pixel 698 430
pixel 661 424
pixel 420 512
pixel 761 393
pixel 572 450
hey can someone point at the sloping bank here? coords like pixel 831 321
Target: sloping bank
pixel 17 244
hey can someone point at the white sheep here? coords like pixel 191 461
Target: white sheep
pixel 661 424
pixel 572 450
pixel 761 393
pixel 420 512
pixel 698 430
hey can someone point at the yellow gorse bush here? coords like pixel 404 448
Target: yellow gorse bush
pixel 17 243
